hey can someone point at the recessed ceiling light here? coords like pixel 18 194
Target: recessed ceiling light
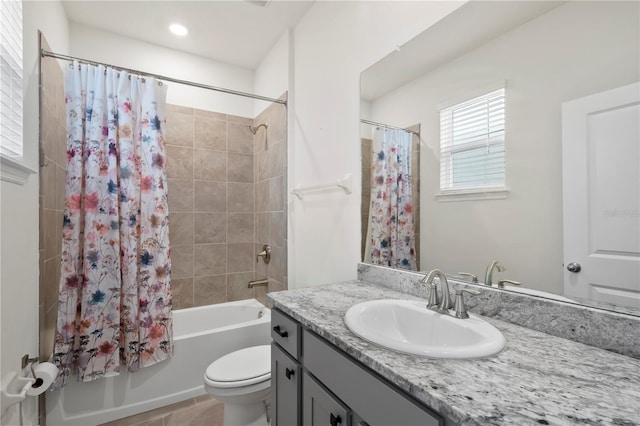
pixel 177 29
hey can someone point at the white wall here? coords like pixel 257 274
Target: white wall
pixel 102 46
pixel 271 78
pixel 572 51
pixel 19 206
pixel 333 44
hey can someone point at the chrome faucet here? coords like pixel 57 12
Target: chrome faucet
pixel 444 303
pixel 488 276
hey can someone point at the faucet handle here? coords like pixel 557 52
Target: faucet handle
pixel 501 283
pixel 460 307
pixel 474 278
pixel 433 296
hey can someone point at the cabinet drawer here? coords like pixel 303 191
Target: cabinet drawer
pixel 285 331
pixel 379 405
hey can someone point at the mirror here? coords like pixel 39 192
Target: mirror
pixel 544 54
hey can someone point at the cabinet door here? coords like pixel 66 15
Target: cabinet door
pixel 285 388
pixel 319 407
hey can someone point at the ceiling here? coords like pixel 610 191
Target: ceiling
pixel 236 32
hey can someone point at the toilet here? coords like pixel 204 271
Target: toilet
pixel 242 381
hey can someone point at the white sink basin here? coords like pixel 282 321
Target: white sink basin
pixel 408 326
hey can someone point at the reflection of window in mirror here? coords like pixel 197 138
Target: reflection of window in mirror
pixel 472 144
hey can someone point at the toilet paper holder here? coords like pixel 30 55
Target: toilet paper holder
pixel 26 361
pixel 14 387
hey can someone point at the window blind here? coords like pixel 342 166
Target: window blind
pixel 472 144
pixel 11 78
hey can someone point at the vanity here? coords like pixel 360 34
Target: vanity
pixel 323 374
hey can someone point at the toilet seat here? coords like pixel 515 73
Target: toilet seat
pixel 244 367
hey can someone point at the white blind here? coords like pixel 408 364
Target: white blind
pixel 11 78
pixel 472 144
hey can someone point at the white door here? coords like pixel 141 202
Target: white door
pixel 601 196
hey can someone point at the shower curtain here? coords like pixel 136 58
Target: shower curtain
pixel 391 236
pixel 114 303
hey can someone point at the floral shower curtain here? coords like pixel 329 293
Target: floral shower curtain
pixel 115 289
pixel 391 236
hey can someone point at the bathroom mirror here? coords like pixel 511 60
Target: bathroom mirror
pixel 544 54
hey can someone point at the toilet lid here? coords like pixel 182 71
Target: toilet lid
pixel 246 366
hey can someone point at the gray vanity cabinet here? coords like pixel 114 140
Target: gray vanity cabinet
pixel 286 383
pixel 286 372
pixel 315 384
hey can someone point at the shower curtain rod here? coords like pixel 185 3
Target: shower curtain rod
pixel 162 77
pixel 373 123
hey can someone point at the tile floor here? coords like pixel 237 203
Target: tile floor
pixel 200 411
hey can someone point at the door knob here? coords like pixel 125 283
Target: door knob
pixel 574 267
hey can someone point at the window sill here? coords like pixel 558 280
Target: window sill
pixel 14 171
pixel 473 194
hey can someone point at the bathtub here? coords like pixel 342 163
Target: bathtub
pixel 201 335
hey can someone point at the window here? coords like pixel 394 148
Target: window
pixel 12 168
pixel 472 145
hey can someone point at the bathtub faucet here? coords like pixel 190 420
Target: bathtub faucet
pixel 254 283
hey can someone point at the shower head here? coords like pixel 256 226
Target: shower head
pixel 254 130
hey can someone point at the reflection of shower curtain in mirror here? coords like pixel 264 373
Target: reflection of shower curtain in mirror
pixel 115 294
pixel 390 235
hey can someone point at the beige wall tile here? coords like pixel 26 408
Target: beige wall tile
pixel 182 261
pixel 210 290
pixel 181 228
pixel 178 108
pixel 262 227
pixel 51 281
pixel 240 167
pixel 182 289
pixel 210 114
pixel 262 158
pixel 240 228
pixel 180 128
pixel 278 127
pixel 277 229
pixel 238 286
pixel 241 197
pixel 210 228
pixel 48 183
pixel 240 120
pixel 179 162
pixel 210 133
pixel 210 165
pixel 275 159
pixel 278 263
pixel 180 195
pixel 240 258
pixel 240 138
pixel 210 196
pixel 262 196
pixel 61 187
pixel 276 200
pixel 209 259
pixel 48 334
pixel 51 243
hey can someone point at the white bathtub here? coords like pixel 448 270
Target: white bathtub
pixel 201 335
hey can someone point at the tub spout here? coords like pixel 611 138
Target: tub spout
pixel 254 283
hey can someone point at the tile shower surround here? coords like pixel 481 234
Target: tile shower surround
pixel 226 199
pixel 214 165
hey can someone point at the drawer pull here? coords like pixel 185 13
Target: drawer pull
pixel 335 420
pixel 280 332
pixel 289 372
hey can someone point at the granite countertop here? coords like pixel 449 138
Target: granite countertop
pixel 537 379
